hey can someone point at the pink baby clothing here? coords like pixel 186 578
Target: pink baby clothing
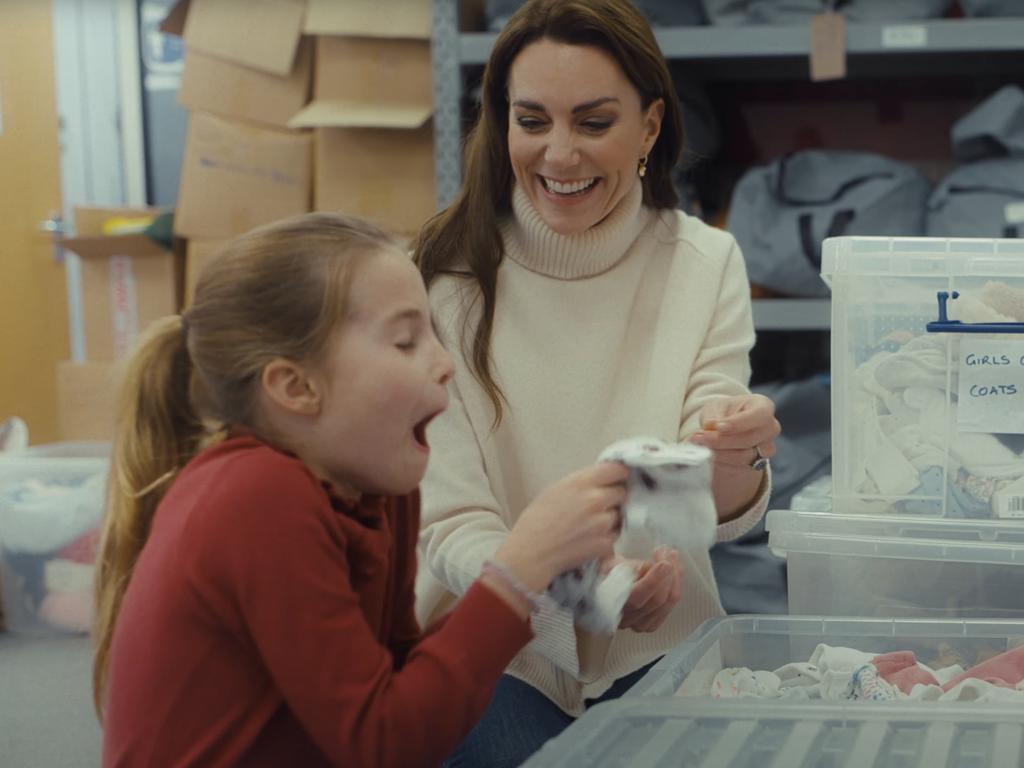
pixel 1005 670
pixel 901 668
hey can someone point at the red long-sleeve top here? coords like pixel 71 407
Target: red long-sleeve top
pixel 268 622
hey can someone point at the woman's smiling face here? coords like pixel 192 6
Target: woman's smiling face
pixel 576 132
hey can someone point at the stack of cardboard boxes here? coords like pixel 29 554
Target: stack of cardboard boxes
pixel 299 105
pixel 294 105
pixel 128 280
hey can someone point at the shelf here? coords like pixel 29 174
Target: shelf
pixel 933 36
pixel 792 314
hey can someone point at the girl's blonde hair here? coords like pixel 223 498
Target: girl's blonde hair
pixel 278 291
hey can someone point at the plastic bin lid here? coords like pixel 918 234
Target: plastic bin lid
pixel 656 733
pixel 894 536
pixel 921 257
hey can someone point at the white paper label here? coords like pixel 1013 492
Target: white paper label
pixel 124 305
pixel 991 389
pixel 1014 212
pixel 904 36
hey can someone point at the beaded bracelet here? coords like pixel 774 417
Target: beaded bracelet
pixel 538 602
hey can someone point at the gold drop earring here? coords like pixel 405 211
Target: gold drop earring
pixel 641 168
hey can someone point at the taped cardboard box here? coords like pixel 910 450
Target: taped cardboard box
pixel 384 175
pixel 369 18
pixel 374 152
pixel 127 280
pixel 210 84
pixel 236 176
pixel 87 399
pixel 365 82
pixel 262 34
pixel 198 254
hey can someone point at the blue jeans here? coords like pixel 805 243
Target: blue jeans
pixel 519 720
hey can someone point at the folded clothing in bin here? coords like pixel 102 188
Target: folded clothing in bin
pixel 49 531
pixel 849 674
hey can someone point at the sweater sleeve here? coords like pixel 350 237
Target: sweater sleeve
pixel 462 522
pixel 284 572
pixel 462 526
pixel 722 369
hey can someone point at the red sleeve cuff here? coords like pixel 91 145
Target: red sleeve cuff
pixel 501 632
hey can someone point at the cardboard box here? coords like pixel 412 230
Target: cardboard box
pixel 368 82
pixel 374 153
pixel 262 34
pixel 236 176
pixel 198 253
pixel 369 18
pixel 231 90
pixel 127 281
pixel 87 400
pixel 384 175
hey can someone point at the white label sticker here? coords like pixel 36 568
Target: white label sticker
pixel 1014 212
pixel 904 36
pixel 991 388
pixel 124 305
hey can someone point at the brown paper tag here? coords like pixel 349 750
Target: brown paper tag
pixel 828 46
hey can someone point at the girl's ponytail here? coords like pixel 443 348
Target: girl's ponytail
pixel 158 431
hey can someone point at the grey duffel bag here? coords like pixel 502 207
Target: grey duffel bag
pixel 781 212
pixel 737 12
pixel 995 128
pixel 980 199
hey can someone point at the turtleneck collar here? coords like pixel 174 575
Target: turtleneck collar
pixel 534 245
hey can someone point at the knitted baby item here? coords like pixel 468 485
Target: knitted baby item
pixel 668 502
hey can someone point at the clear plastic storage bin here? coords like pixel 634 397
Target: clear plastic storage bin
pixel 668 733
pixel 816 496
pixel 885 565
pixel 927 376
pixel 51 505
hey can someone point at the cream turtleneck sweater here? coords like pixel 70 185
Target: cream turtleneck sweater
pixel 626 329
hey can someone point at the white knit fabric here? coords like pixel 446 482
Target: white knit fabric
pixel 626 329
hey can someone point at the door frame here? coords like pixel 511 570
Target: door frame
pixel 99 105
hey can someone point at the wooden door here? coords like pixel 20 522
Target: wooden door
pixel 33 306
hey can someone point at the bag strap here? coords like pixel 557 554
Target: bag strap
pixel 846 186
pixel 841 221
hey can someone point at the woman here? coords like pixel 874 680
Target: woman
pixel 581 308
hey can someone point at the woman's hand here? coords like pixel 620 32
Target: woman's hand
pixel 658 587
pixel 740 430
pixel 575 520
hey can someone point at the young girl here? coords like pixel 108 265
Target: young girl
pixel 255 585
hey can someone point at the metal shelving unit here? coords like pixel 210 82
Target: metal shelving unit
pixel 933 36
pixel 931 47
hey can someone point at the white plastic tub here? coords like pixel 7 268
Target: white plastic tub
pixel 884 565
pixel 927 416
pixel 51 505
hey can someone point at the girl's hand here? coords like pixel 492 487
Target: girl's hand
pixel 575 520
pixel 658 587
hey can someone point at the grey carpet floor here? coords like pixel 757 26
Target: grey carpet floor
pixel 46 714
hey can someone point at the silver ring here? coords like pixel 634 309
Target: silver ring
pixel 760 461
